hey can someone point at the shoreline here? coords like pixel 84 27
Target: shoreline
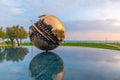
pixel 110 46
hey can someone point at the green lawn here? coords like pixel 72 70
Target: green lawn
pixel 85 44
pixel 93 45
pixel 27 44
pixel 118 44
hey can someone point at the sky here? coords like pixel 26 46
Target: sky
pixel 82 19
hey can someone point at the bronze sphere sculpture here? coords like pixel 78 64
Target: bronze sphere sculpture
pixel 47 33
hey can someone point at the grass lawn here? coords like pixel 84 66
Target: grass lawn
pixel 86 44
pixel 118 44
pixel 27 44
pixel 93 45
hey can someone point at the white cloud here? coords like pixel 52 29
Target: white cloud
pixel 92 36
pixel 93 30
pixel 97 16
pixel 108 25
pixel 115 0
pixel 11 7
pixel 10 3
pixel 17 10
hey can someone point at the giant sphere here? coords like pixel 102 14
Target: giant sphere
pixel 47 33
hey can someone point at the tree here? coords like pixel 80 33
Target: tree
pixel 22 34
pixel 16 32
pixel 2 35
pixel 16 28
pixel 11 34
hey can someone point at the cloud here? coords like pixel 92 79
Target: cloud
pixel 79 17
pixel 12 13
pixel 92 36
pixel 94 26
pixel 96 30
pixel 115 0
pixel 11 7
pixel 17 10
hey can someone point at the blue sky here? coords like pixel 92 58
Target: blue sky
pixel 83 19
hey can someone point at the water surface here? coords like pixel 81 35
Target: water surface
pixel 69 63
